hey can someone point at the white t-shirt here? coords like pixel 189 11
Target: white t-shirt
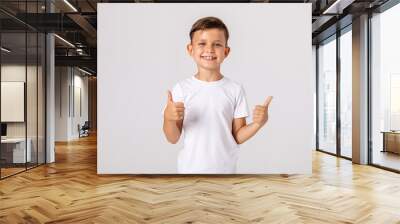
pixel 210 107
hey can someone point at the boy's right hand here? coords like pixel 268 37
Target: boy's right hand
pixel 174 110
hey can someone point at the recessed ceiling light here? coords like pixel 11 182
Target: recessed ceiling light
pixel 70 5
pixel 337 7
pixel 5 50
pixel 64 40
pixel 84 71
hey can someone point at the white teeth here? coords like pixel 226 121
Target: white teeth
pixel 208 57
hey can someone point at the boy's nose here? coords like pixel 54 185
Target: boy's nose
pixel 210 49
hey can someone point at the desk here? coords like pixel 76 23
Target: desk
pixel 391 141
pixel 15 148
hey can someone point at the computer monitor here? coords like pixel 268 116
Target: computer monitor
pixel 3 129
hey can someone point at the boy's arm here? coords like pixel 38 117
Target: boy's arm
pixel 172 130
pixel 173 119
pixel 242 132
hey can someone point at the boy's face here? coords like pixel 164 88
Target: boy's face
pixel 208 48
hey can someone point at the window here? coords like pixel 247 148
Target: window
pixel 327 96
pixel 346 93
pixel 385 88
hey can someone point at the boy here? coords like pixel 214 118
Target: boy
pixel 209 107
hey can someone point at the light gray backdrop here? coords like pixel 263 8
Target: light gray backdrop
pixel 142 53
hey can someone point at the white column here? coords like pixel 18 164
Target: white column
pixel 360 90
pixel 50 100
pixel 50 92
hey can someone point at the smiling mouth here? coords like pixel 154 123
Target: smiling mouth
pixel 209 58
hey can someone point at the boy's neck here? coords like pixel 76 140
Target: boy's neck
pixel 208 76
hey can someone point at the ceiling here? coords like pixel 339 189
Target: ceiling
pixel 76 22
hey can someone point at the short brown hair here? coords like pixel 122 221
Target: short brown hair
pixel 209 23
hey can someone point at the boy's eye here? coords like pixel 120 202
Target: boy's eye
pixel 201 44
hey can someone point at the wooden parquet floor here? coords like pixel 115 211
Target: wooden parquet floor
pixel 70 191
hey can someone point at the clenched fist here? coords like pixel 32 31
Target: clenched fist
pixel 260 113
pixel 174 110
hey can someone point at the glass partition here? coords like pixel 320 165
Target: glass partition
pixel 13 110
pixel 22 63
pixel 41 88
pixel 32 95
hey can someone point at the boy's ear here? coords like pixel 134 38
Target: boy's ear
pixel 189 49
pixel 227 50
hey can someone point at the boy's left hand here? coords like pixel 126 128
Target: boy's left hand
pixel 260 112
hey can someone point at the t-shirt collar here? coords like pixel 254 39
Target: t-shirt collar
pixel 211 83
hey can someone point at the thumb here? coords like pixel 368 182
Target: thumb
pixel 268 101
pixel 170 97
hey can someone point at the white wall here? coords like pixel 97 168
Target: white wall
pixel 62 80
pixel 314 74
pixel 140 56
pixel 79 117
pixel 68 81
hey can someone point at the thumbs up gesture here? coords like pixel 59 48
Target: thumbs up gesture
pixel 260 112
pixel 174 110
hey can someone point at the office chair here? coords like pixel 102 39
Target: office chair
pixel 84 130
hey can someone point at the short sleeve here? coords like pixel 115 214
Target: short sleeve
pixel 177 95
pixel 241 108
